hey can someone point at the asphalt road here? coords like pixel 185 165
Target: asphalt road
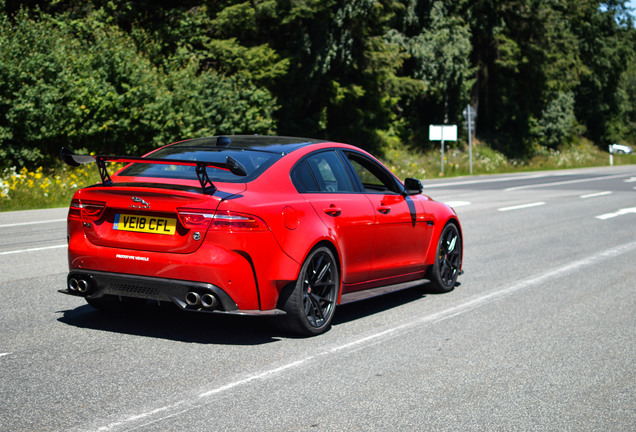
pixel 540 336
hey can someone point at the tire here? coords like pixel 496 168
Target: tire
pixel 448 260
pixel 310 302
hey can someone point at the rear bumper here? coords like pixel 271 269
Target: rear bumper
pixel 250 268
pixel 96 284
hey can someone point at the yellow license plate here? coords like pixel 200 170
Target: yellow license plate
pixel 146 224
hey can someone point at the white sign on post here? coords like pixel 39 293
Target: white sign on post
pixel 442 133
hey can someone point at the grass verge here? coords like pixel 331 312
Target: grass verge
pixel 42 188
pixel 423 165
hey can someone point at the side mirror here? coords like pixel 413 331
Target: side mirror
pixel 413 186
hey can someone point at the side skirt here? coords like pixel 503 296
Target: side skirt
pixel 374 292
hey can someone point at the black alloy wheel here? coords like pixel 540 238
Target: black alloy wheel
pixel 444 272
pixel 311 303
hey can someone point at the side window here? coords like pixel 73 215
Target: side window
pixel 303 179
pixel 373 177
pixel 322 172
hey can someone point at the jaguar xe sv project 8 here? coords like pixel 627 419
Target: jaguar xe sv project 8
pixel 255 225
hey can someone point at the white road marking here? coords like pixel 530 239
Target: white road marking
pixel 4 354
pixel 256 377
pixel 32 249
pixel 594 195
pixel 478 181
pixel 620 212
pixel 32 223
pixel 631 180
pixel 457 203
pixel 522 206
pixel 585 180
pixel 373 338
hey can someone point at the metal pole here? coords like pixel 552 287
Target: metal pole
pixel 442 151
pixel 470 142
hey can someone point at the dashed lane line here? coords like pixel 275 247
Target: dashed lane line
pixel 521 206
pixel 457 203
pixel 620 212
pixel 565 182
pixel 32 223
pixel 32 249
pixel 481 180
pixel 594 195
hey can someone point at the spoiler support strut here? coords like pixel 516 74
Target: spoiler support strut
pixel 204 180
pixel 103 173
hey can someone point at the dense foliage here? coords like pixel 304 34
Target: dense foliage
pixel 127 76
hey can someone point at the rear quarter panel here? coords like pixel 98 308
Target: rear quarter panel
pixel 290 217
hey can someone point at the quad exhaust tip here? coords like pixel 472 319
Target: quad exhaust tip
pixel 193 298
pixel 206 301
pixel 78 285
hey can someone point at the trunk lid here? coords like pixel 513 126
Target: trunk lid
pixel 147 219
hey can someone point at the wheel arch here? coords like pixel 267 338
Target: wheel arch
pixel 284 291
pixel 439 227
pixel 336 254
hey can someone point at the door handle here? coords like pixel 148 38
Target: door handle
pixel 384 209
pixel 332 210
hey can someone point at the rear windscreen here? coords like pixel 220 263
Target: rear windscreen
pixel 254 161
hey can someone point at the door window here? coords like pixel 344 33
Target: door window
pixel 373 177
pixel 322 172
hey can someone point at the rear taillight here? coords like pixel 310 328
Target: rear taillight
pixel 194 219
pixel 86 210
pixel 236 221
pixel 224 220
pixel 75 212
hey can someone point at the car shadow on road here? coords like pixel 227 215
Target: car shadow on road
pixel 360 309
pixel 166 321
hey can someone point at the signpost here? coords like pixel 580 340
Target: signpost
pixel 469 115
pixel 442 133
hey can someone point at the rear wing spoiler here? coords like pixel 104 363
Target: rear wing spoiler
pixel 230 164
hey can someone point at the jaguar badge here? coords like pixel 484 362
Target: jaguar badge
pixel 141 204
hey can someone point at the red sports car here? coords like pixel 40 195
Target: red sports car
pixel 255 225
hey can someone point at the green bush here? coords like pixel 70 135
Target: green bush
pixel 85 84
